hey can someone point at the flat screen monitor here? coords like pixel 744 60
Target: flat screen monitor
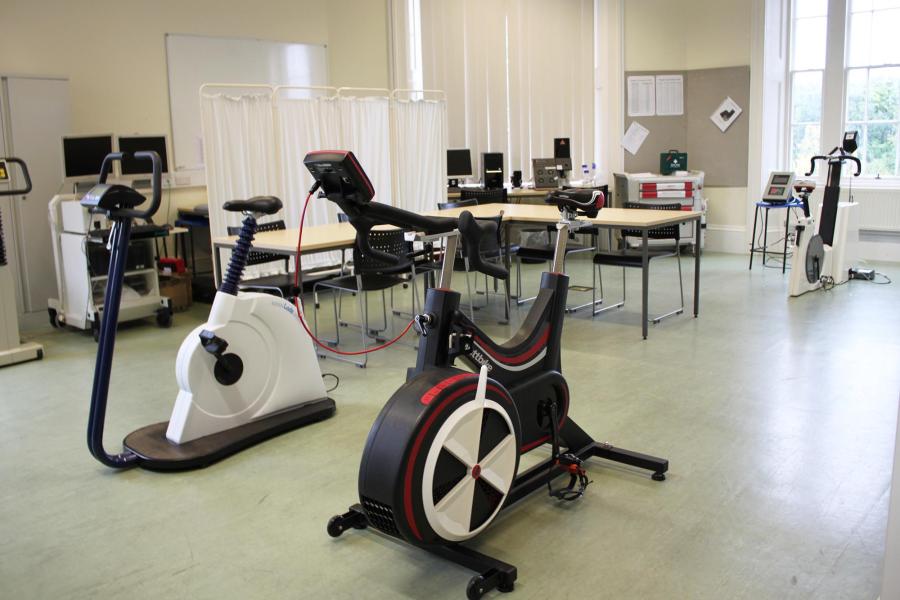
pixel 83 155
pixel 459 163
pixel 138 143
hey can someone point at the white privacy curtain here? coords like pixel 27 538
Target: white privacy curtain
pixel 304 125
pixel 239 147
pixel 365 130
pixel 517 73
pixel 255 144
pixel 419 153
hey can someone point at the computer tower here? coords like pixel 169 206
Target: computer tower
pixel 492 170
pixel 562 152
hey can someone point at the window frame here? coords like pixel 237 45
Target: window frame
pixel 834 107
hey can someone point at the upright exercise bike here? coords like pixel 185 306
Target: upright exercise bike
pixel 442 458
pixel 822 253
pixel 249 373
pixel 12 349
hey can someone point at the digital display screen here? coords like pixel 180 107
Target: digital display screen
pixel 459 162
pixel 83 156
pixel 781 179
pixel 776 191
pixel 134 166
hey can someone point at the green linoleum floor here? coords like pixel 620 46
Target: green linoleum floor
pixel 777 417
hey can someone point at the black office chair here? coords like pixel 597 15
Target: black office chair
pixel 492 250
pixel 280 284
pixel 492 196
pixel 628 258
pixel 467 203
pixel 371 275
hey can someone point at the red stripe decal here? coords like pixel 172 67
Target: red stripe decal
pixel 417 445
pixel 519 358
pixel 428 396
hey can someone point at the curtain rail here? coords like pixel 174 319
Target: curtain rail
pixel 442 95
pixel 386 92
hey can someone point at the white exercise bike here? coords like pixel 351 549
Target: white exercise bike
pixel 248 374
pixel 822 253
pixel 12 349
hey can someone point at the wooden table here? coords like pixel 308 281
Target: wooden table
pixel 337 236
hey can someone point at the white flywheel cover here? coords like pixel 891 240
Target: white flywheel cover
pixel 469 470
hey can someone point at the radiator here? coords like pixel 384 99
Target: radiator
pixel 879 209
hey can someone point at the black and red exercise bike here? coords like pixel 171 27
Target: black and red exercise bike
pixel 442 459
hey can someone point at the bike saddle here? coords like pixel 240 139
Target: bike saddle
pixel 585 203
pixel 267 205
pixel 804 187
pixel 107 197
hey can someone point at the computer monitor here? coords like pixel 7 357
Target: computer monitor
pixel 459 163
pixel 83 155
pixel 138 143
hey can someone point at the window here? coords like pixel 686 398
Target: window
pixel 873 83
pixel 807 65
pixel 857 88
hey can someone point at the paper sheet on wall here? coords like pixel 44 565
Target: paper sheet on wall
pixel 641 96
pixel 635 137
pixel 726 114
pixel 669 95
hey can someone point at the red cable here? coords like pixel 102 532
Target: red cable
pixel 300 311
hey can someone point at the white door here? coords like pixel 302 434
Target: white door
pixel 37 110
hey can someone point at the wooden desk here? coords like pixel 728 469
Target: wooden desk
pixel 338 236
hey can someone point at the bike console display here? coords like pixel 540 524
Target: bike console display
pixel 339 174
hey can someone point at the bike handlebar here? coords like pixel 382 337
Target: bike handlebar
pixel 365 216
pixel 24 167
pixel 842 157
pixel 156 178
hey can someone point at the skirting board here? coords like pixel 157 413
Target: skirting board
pixel 731 239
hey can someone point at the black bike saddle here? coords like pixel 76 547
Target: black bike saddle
pixel 267 205
pixel 107 197
pixel 585 202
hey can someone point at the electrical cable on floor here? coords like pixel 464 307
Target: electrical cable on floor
pixel 337 381
pixel 887 280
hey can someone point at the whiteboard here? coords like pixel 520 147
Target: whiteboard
pixel 194 60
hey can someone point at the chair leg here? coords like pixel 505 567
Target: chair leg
pixel 597 311
pixel 677 311
pixel 469 291
pixel 363 299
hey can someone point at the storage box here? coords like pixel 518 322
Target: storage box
pixel 177 288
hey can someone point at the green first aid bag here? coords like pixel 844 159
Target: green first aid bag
pixel 672 161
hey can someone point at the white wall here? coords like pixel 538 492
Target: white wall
pixel 891 587
pixel 695 34
pixel 113 52
pixel 662 35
